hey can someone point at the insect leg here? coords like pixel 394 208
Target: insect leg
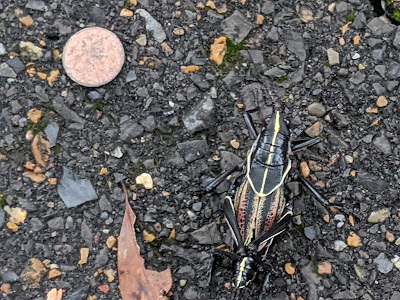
pixel 300 144
pixel 265 286
pixel 321 199
pixel 250 125
pixel 221 178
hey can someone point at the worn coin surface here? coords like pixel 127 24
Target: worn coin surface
pixel 93 56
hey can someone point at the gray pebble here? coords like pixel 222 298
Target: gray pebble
pixel 383 264
pixel 56 223
pixel 208 234
pixel 316 109
pixel 3 50
pixel 310 233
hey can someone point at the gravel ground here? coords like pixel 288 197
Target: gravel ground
pixel 338 81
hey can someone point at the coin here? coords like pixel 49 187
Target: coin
pixel 93 56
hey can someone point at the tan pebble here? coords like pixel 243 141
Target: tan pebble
pixel 356 40
pixel 315 130
pixel 35 115
pixel 210 4
pixel 30 166
pixel 304 169
pixel 324 268
pixel 234 144
pixel 379 216
pixel 54 273
pixel 126 13
pixel 111 240
pixel 314 166
pixel 381 102
pixel 223 9
pixel 342 42
pixel 41 75
pixel 349 159
pixel 103 171
pixel 353 173
pixel 260 19
pixel 52 181
pixel 372 110
pixel 179 31
pixel 389 236
pixel 27 21
pixel 145 180
pixel 353 240
pixel 133 2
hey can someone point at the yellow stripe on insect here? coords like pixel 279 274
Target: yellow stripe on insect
pixel 241 270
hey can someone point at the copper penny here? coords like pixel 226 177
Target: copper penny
pixel 93 56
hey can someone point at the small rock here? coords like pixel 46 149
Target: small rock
pixel 74 191
pixel 36 5
pixel 381 102
pixel 101 258
pixel 382 144
pixel 8 276
pixel 56 223
pixel 145 180
pixel 29 50
pixel 86 234
pixel 7 71
pixel 16 64
pixel 2 217
pixel 339 245
pixel 310 233
pixel 379 216
pixel 51 131
pixel 200 82
pixel 3 50
pixel 130 130
pixel 379 27
pixel 316 109
pixel 333 57
pixel 383 263
pixel 315 130
pixel 191 293
pixel 201 116
pixel 393 70
pixel 357 78
pixel 306 15
pixel 193 150
pixel 396 41
pixel 208 234
pixel 229 160
pixel 237 26
pixel 131 76
pixel 152 25
pixel 65 112
pixel 104 204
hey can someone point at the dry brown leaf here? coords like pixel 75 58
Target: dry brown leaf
pixel 324 268
pixel 190 69
pixel 35 177
pixel 218 50
pixel 32 274
pixel 26 20
pixel 54 294
pixel 172 235
pixel 41 149
pixel 290 269
pixel 345 27
pixel 35 115
pixel 135 281
pixel 54 273
pixel 353 240
pixel 53 77
pixel 84 256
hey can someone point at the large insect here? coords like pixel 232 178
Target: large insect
pixel 255 205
